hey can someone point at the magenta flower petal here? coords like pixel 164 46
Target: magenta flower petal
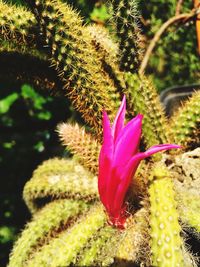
pixel 108 142
pixel 118 162
pixel 119 119
pixel 128 141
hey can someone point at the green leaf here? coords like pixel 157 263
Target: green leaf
pixel 7 102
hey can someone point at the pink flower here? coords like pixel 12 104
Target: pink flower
pixel 118 162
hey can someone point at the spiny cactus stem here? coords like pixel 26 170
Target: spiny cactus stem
pixel 166 242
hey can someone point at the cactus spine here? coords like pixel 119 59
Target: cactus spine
pixel 166 242
pixel 80 143
pixel 185 123
pixel 59 178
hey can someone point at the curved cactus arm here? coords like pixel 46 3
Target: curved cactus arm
pixel 80 143
pixel 95 254
pixel 67 246
pixel 58 179
pixel 143 98
pixel 185 123
pixel 78 63
pixel 166 241
pixel 108 51
pixel 55 215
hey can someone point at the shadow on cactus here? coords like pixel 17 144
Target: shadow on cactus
pixel 143 219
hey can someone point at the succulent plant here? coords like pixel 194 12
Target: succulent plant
pixel 70 226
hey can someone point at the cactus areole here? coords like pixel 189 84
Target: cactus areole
pixel 118 162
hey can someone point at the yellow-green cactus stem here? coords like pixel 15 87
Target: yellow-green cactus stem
pixel 185 123
pixel 80 143
pixel 16 24
pixel 108 52
pixel 59 178
pixel 166 242
pixel 92 254
pixel 127 27
pixel 54 215
pixel 143 98
pixel 70 48
pixel 67 246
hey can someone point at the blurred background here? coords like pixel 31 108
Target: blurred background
pixel 28 117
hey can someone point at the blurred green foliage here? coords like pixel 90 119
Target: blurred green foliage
pixel 28 118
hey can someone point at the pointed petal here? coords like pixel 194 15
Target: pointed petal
pixel 131 168
pixel 128 141
pixel 107 146
pixel 104 174
pixel 119 119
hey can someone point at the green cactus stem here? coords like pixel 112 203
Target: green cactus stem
pixel 67 246
pixel 128 31
pixel 185 123
pixel 80 143
pixel 57 179
pixel 17 24
pixel 70 48
pixel 142 98
pixel 55 215
pixel 108 51
pixel 166 242
pixel 95 254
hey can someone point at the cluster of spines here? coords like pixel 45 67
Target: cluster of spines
pixel 143 99
pixel 78 64
pixel 17 25
pixel 55 215
pixel 186 122
pixel 80 143
pixel 128 31
pixel 166 241
pixel 59 179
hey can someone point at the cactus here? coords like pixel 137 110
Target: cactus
pixel 81 144
pixel 70 46
pixel 144 99
pixel 59 178
pixel 60 212
pixel 185 123
pixel 166 242
pixel 125 15
pixel 69 225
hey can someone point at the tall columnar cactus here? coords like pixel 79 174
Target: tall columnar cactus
pixel 128 31
pixel 70 226
pixel 144 99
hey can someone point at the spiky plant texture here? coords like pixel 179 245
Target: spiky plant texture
pixel 185 123
pixel 69 225
pixel 125 15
